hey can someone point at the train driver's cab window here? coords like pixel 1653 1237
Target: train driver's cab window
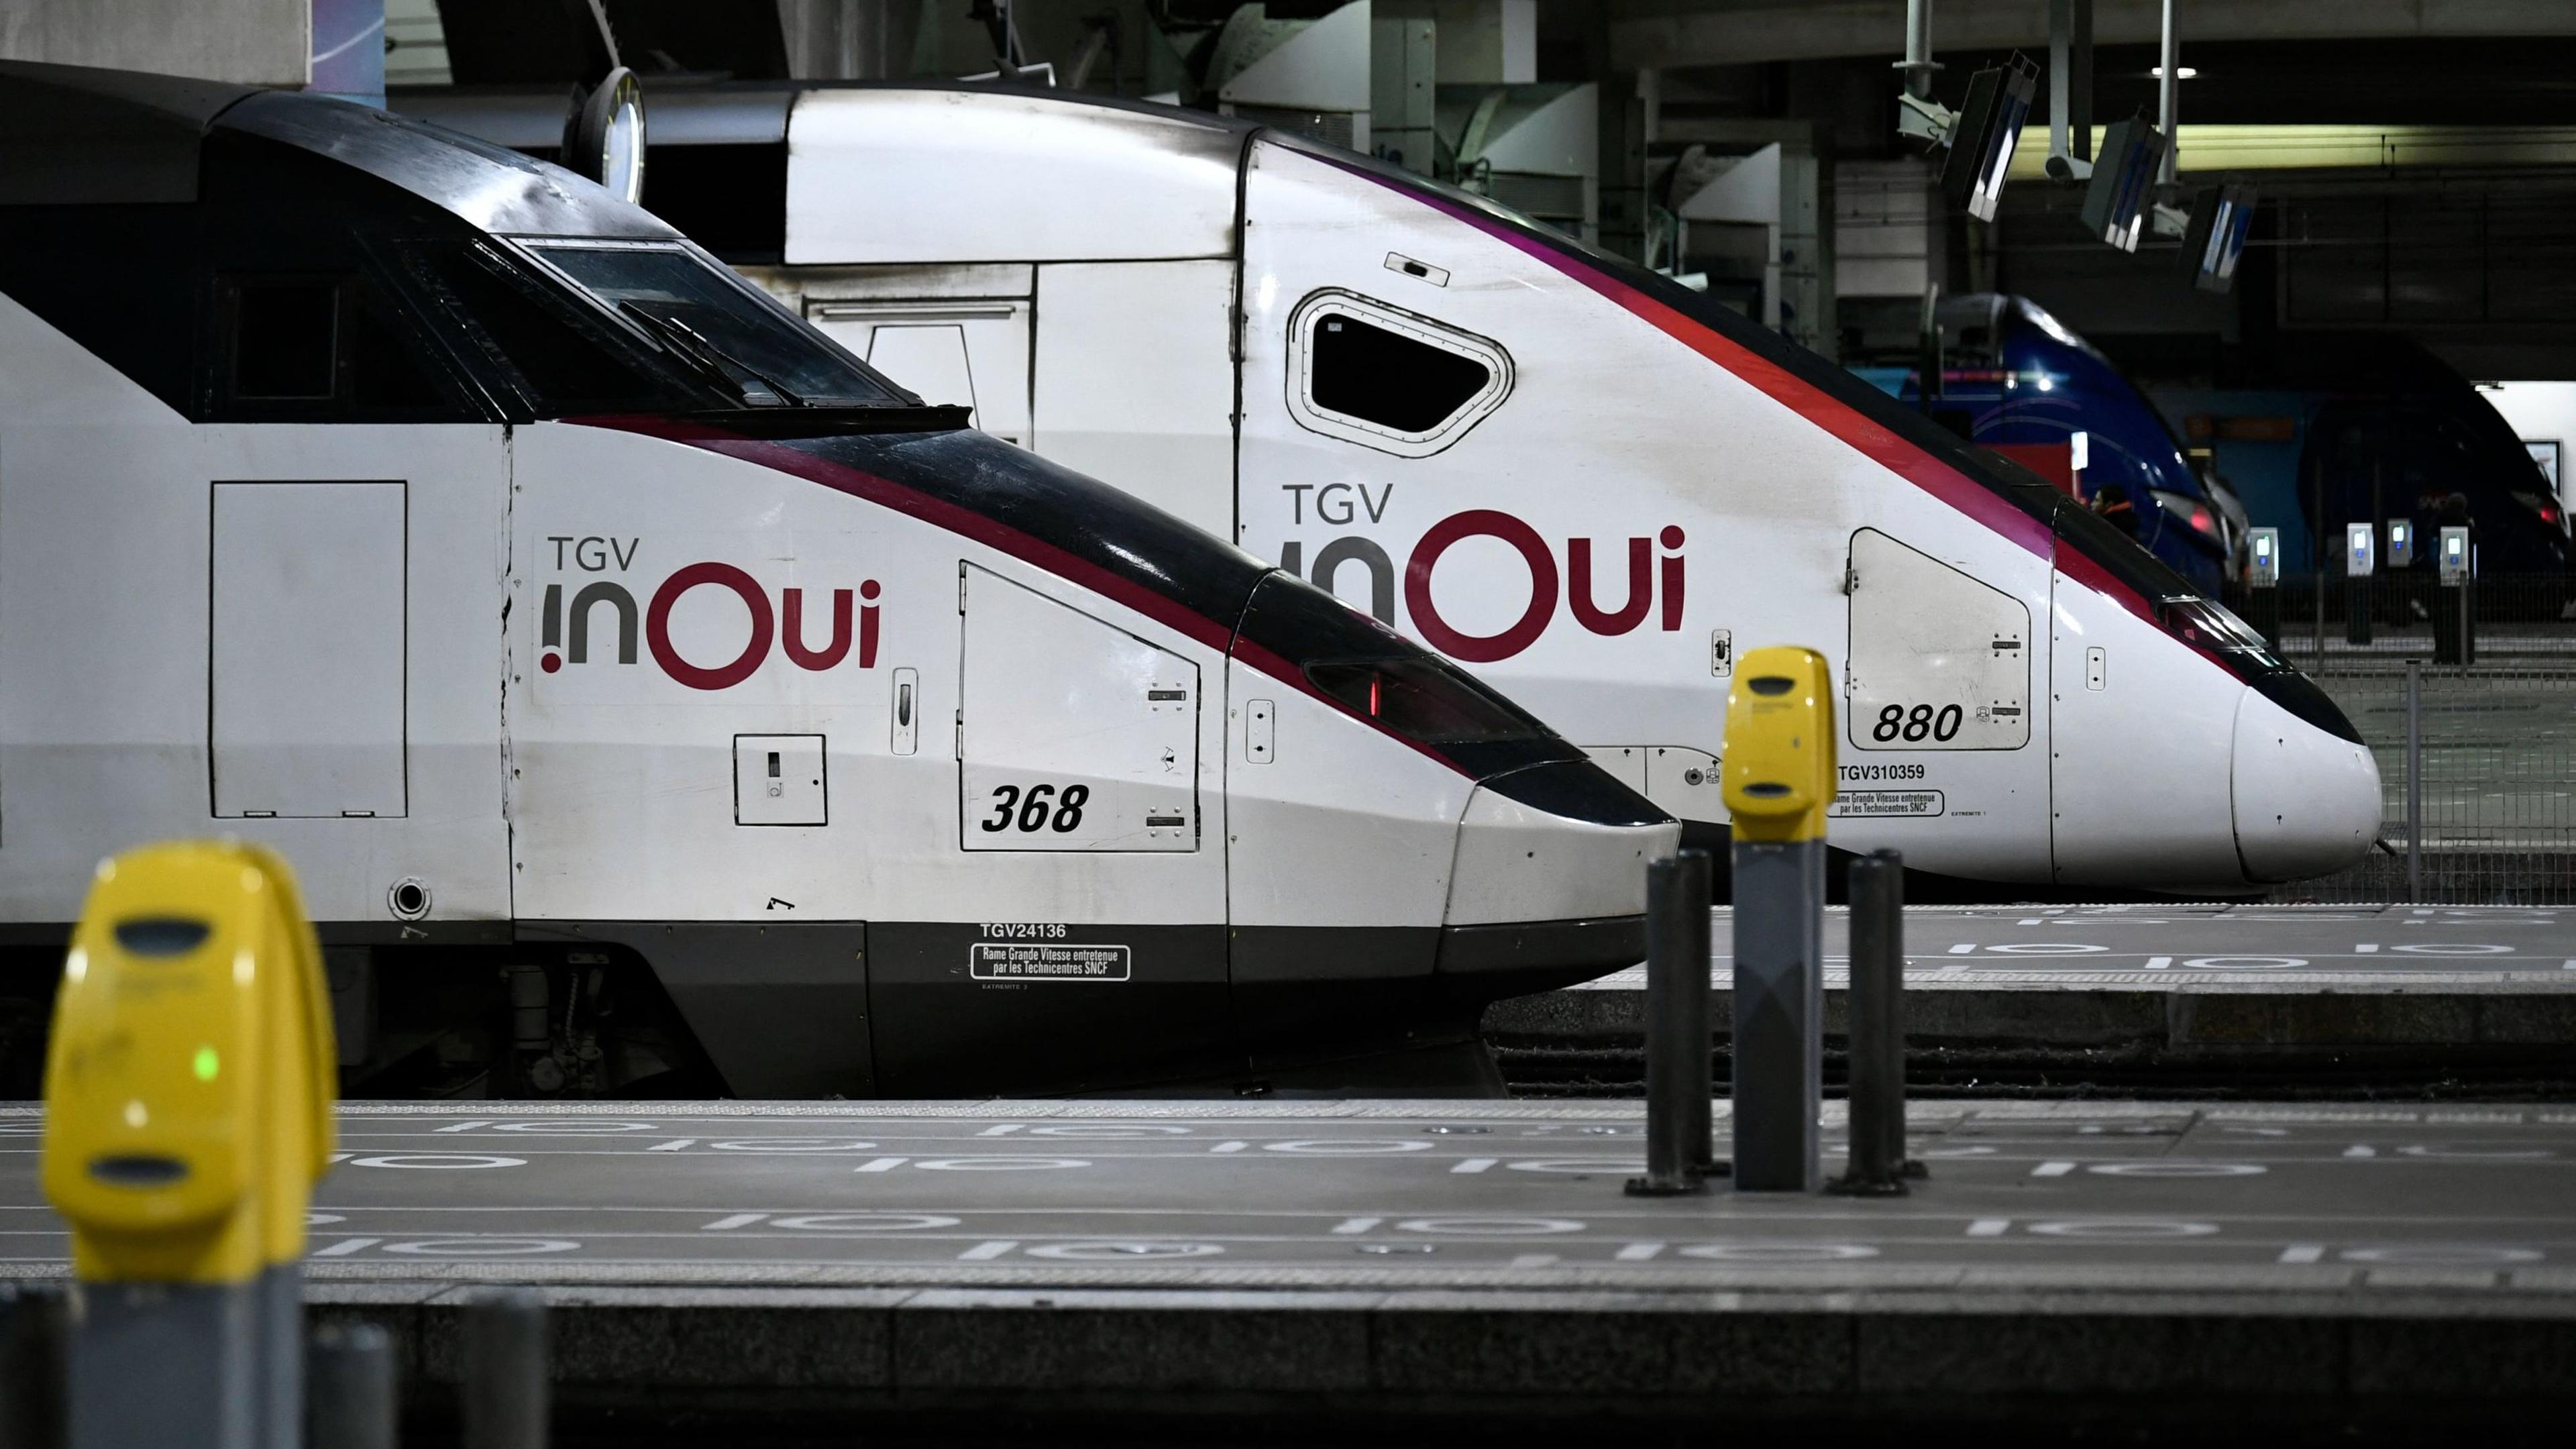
pixel 1388 379
pixel 316 347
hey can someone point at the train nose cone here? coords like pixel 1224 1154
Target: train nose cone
pixel 2306 788
pixel 1549 882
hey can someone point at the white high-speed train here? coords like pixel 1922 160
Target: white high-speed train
pixel 1587 484
pixel 589 631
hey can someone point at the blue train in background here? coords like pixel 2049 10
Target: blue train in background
pixel 2020 383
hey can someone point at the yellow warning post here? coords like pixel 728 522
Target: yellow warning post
pixel 188 1095
pixel 1778 776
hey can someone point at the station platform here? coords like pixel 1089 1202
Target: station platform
pixel 2141 1263
pixel 2199 1000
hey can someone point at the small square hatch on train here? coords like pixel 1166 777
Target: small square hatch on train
pixel 778 780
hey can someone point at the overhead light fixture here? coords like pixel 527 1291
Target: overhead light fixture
pixel 1984 134
pixel 2181 72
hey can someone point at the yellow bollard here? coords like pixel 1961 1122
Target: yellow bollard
pixel 1778 775
pixel 1778 778
pixel 188 1095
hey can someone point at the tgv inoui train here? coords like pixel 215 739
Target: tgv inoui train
pixel 1590 485
pixel 549 595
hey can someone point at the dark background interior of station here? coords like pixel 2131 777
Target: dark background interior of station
pixel 2476 263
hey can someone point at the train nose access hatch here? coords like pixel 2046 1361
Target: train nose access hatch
pixel 1938 660
pixel 1072 733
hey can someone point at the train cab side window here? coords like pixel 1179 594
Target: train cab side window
pixel 385 372
pixel 285 340
pixel 1389 379
pixel 317 348
pixel 1379 375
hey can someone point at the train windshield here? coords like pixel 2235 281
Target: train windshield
pixel 715 326
pixel 2198 622
pixel 1419 699
pixel 1393 683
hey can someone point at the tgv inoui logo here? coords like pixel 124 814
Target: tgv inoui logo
pixel 1656 582
pixel 566 630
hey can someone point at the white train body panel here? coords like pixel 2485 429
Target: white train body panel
pixel 1719 497
pixel 1172 181
pixel 625 775
pixel 1764 527
pixel 107 656
pixel 1296 815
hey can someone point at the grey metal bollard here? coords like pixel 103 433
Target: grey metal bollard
pixel 2415 779
pixel 1877 1165
pixel 503 1368
pixel 1679 1139
pixel 349 1383
pixel 35 1327
pixel 187 1365
pixel 1779 1014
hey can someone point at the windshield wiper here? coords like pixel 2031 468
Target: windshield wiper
pixel 692 345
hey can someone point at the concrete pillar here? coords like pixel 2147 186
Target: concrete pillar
pixel 849 39
pixel 248 42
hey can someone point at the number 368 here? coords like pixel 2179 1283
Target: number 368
pixel 1031 813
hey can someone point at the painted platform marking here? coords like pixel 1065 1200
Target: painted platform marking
pixel 2052 1169
pixel 674 1145
pixel 2303 1253
pixel 1004 1129
pixel 864 1222
pixel 1989 1227
pixel 2367 947
pixel 2124 1228
pixel 465 1126
pixel 2178 1169
pixel 2159 963
pixel 881 1164
pixel 1638 1252
pixel 1230 1147
pixel 987 1252
pixel 1490 1227
pixel 482 1247
pixel 1475 1164
pixel 342 1156
pixel 344 1247
pixel 1356 1225
pixel 1962 950
pixel 2359 1150
pixel 732 1221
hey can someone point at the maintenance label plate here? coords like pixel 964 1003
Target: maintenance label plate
pixel 1047 961
pixel 1886 802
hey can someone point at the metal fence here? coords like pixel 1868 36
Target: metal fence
pixel 2468 699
